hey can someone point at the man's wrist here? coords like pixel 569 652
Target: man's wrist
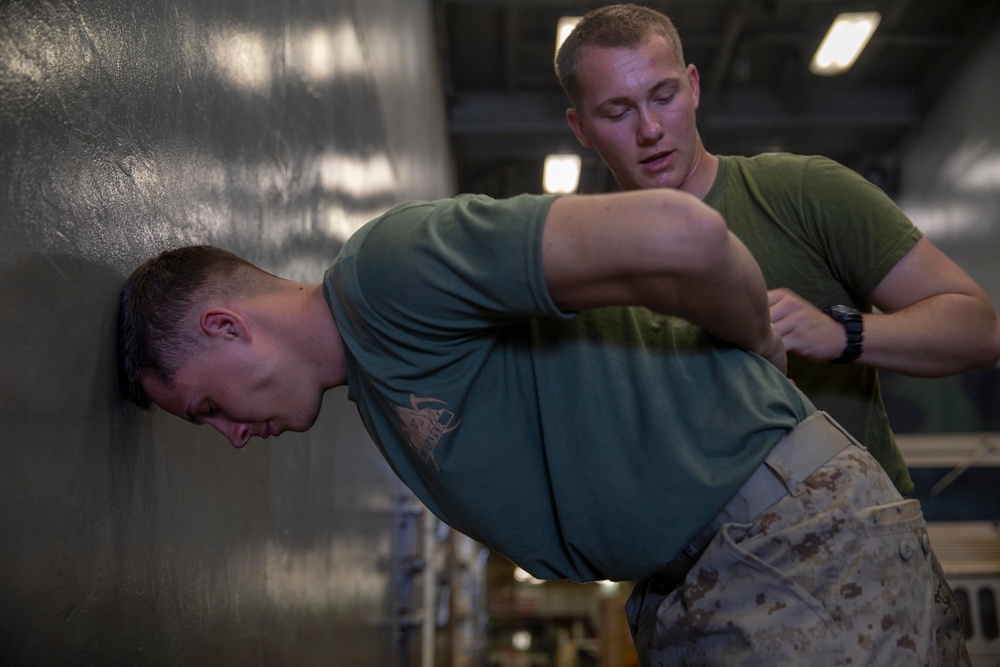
pixel 851 320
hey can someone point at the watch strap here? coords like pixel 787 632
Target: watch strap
pixel 853 325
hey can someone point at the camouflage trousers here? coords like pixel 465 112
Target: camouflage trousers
pixel 838 572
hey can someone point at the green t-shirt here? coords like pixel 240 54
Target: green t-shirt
pixel 830 236
pixel 586 447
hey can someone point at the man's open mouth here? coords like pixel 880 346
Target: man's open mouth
pixel 654 158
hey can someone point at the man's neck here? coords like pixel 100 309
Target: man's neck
pixel 303 320
pixel 702 176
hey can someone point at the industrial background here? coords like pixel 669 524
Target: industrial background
pixel 274 128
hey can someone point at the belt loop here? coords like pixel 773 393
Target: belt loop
pixel 805 448
pixel 785 474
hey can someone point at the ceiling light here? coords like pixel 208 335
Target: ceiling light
pixel 562 173
pixel 564 28
pixel 844 41
pixel 521 640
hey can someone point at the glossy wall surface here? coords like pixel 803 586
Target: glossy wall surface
pixel 269 127
pixel 950 187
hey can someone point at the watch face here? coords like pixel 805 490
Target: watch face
pixel 841 313
pixel 854 325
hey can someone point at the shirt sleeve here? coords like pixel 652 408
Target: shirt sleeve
pixel 457 265
pixel 860 229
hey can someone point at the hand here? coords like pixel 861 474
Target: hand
pixel 805 329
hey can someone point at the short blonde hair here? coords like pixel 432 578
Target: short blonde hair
pixel 614 26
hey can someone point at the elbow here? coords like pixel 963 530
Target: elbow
pixel 712 229
pixel 684 236
pixel 719 253
pixel 987 355
pixel 979 353
pixel 706 244
pixel 981 356
pixel 972 345
pixel 976 356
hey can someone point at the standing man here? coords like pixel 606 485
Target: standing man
pixel 592 387
pixel 830 244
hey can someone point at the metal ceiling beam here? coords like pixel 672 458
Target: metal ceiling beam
pixel 576 5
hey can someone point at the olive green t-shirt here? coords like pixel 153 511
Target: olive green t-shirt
pixel 589 446
pixel 830 236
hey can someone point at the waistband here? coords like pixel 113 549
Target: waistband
pixel 804 449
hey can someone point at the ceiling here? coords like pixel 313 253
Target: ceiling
pixel 506 109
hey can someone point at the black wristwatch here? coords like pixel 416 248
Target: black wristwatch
pixel 854 326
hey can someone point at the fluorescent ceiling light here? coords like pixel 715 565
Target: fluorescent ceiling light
pixel 844 41
pixel 564 28
pixel 562 173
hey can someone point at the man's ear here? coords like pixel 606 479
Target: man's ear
pixel 575 124
pixel 225 323
pixel 694 80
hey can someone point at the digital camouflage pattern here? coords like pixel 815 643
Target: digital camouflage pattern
pixel 838 572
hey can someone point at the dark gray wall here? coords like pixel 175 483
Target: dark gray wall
pixel 269 127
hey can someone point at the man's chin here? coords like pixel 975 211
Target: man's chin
pixel 307 423
pixel 664 180
pixel 298 424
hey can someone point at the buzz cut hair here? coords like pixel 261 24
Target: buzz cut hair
pixel 157 306
pixel 614 26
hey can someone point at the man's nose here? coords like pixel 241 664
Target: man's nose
pixel 650 128
pixel 238 435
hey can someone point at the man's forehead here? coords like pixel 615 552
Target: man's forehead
pixel 601 68
pixel 166 396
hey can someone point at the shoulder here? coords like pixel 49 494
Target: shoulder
pixel 785 167
pixel 810 176
pixel 454 220
pixel 466 254
pixel 771 170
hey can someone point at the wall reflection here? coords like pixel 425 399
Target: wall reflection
pixel 128 128
pixel 244 59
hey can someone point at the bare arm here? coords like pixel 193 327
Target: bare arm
pixel 662 249
pixel 935 320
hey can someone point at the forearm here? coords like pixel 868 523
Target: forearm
pixel 663 250
pixel 941 335
pixel 937 321
pixel 729 298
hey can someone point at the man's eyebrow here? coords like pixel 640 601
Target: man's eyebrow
pixel 625 99
pixel 669 82
pixel 614 102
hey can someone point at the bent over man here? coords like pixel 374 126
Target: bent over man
pixel 590 386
